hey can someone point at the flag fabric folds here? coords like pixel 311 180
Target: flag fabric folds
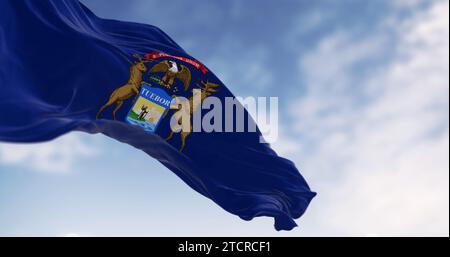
pixel 64 69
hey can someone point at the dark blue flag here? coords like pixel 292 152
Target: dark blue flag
pixel 64 69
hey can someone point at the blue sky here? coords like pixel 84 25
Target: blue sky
pixel 363 89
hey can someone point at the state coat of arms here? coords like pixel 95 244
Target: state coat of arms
pixel 153 94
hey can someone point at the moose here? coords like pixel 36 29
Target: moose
pixel 206 90
pixel 131 88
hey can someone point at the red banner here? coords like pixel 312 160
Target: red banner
pixel 195 63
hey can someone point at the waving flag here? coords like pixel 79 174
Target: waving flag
pixel 63 69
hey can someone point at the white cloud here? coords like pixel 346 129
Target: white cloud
pixel 56 156
pixel 285 146
pixel 74 235
pixel 380 165
pixel 402 4
pixel 251 75
pixel 71 235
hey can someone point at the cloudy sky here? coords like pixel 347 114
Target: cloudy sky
pixel 363 88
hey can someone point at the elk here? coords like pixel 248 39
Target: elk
pixel 206 90
pixel 131 88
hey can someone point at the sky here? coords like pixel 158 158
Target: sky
pixel 363 90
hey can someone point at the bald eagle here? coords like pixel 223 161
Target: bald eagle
pixel 171 71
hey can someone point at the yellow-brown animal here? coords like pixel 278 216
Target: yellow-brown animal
pixel 128 90
pixel 205 91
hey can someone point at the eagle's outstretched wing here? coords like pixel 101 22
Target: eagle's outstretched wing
pixel 184 76
pixel 162 66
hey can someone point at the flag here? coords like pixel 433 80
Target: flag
pixel 64 69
